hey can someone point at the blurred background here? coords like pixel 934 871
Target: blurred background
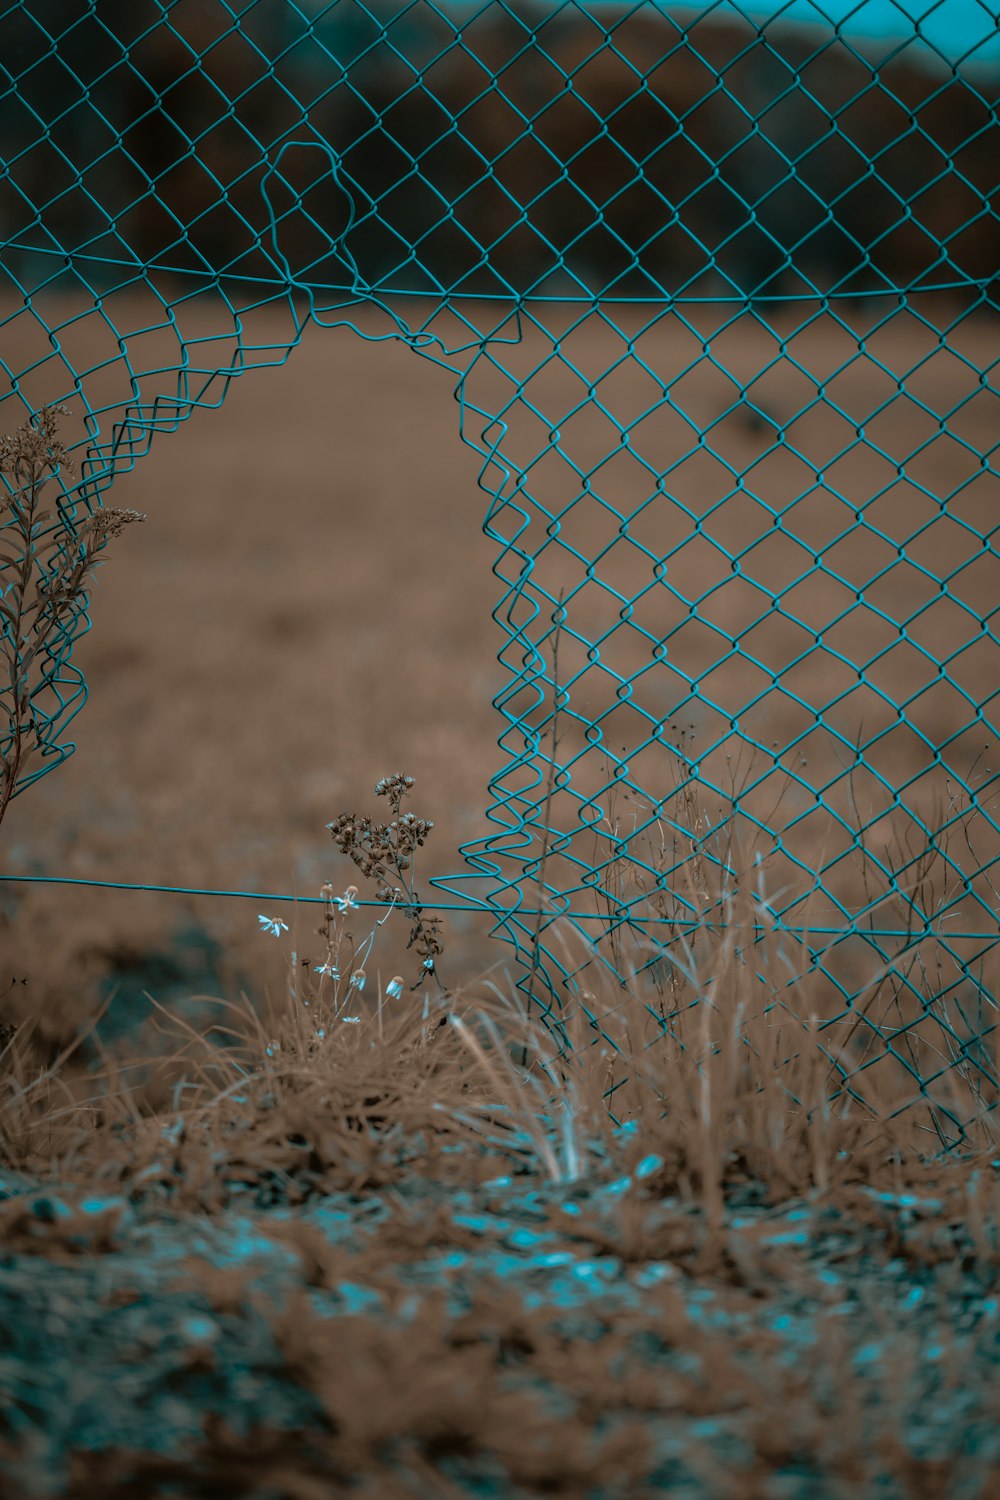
pixel 694 152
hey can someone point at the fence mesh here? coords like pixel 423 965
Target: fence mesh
pixel 719 295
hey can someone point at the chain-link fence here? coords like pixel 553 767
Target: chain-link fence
pixel 720 298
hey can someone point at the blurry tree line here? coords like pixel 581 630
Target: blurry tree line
pixel 485 150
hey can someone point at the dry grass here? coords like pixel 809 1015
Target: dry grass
pixel 727 1126
pixel 716 1055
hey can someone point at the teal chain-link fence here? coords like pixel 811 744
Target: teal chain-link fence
pixel 720 297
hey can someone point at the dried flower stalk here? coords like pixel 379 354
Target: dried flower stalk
pixel 42 579
pixel 382 851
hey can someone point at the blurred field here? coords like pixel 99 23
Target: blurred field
pixel 309 605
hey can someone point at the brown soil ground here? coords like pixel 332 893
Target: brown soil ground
pixel 309 604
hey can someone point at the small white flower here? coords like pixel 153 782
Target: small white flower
pixel 321 1033
pixel 394 988
pixel 348 901
pixel 354 1020
pixel 358 979
pixel 428 963
pixel 271 924
pixel 327 969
